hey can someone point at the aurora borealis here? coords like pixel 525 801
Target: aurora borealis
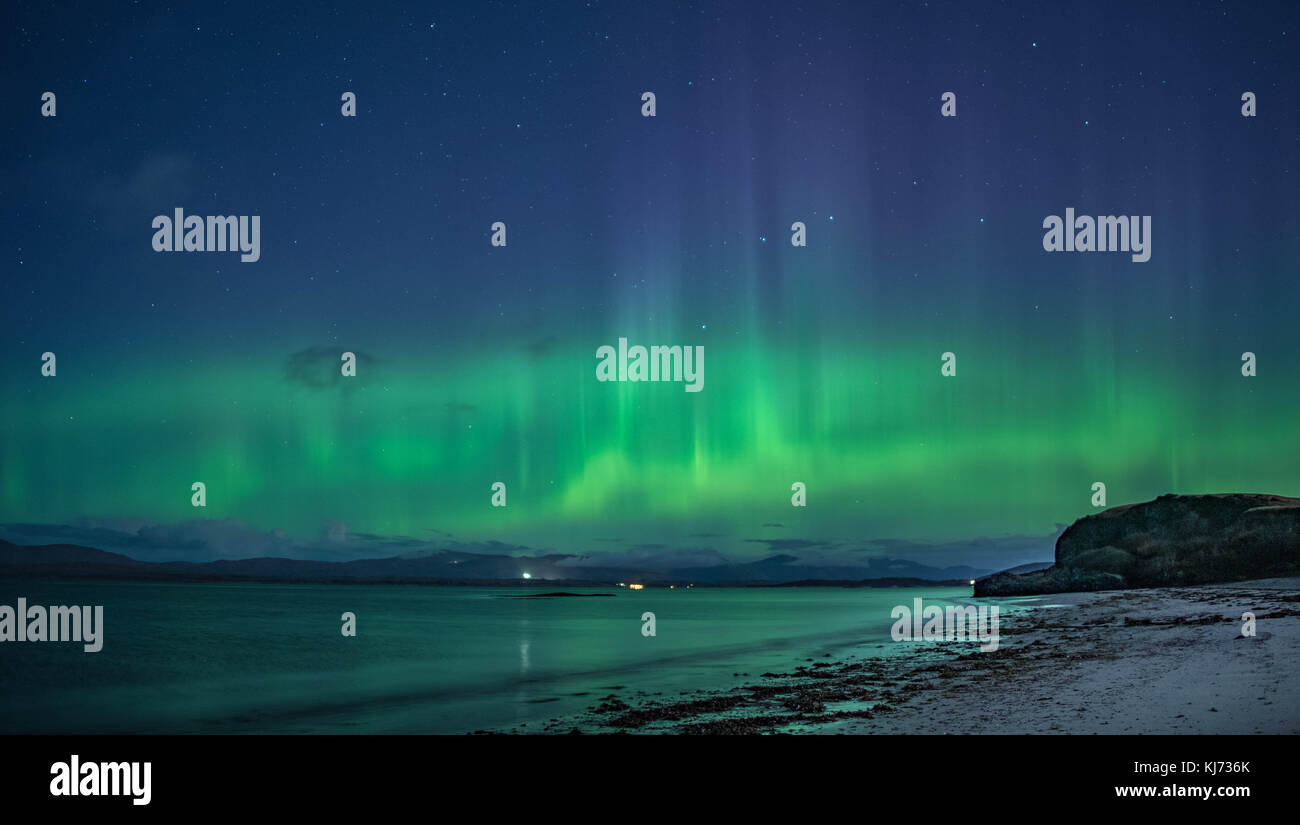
pixel 477 364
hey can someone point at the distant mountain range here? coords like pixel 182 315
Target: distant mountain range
pixel 451 567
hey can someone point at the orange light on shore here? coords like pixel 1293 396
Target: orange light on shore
pixel 635 586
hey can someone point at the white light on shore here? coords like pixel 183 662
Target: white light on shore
pixel 972 582
pixel 530 575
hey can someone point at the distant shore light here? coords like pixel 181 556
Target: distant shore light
pixel 530 575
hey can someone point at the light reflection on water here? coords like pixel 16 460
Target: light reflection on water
pixel 269 657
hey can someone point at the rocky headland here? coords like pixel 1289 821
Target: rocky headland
pixel 1171 541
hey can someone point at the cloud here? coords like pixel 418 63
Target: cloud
pixel 209 539
pixel 982 551
pixel 653 556
pixel 541 346
pixel 154 186
pixel 319 368
pixel 460 407
pixel 786 545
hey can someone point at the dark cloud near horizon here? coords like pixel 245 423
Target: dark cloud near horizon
pixel 656 556
pixel 982 551
pixel 207 540
pixel 541 347
pixel 787 545
pixel 319 368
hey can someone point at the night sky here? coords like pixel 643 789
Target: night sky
pixel 477 363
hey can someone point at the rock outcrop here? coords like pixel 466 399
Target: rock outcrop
pixel 1173 540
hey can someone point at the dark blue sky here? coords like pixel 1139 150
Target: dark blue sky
pixel 925 236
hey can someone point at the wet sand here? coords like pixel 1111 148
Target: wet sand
pixel 1169 660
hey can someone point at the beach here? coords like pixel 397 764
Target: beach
pixel 1151 661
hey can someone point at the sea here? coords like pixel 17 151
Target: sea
pixel 271 658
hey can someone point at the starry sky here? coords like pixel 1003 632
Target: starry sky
pixel 477 363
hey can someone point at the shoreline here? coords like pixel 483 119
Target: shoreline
pixel 1146 661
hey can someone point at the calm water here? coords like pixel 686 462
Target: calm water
pixel 225 658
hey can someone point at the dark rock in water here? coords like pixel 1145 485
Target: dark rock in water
pixel 1173 540
pixel 556 595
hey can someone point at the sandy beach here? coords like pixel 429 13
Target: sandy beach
pixel 1151 661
